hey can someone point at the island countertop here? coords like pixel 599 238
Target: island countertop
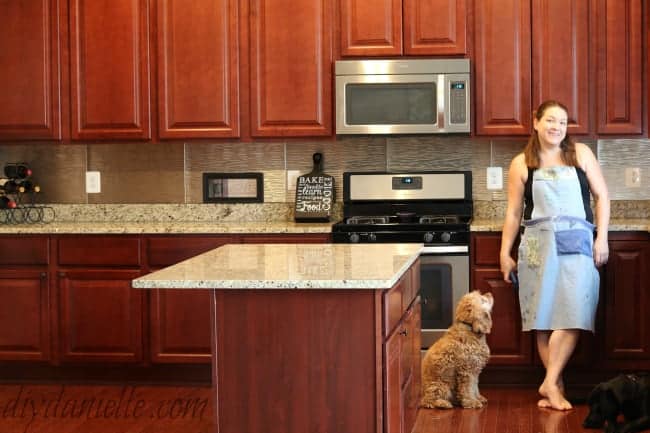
pixel 288 266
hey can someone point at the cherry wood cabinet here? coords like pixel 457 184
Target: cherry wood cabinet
pixel 30 86
pixel 511 81
pixel 560 63
pixel 179 320
pixel 109 69
pixel 24 299
pixel 99 314
pixel 619 61
pixel 502 57
pixel 334 345
pixel 290 62
pixel 627 302
pixel 402 27
pixel 198 69
pixel 281 238
pixel 508 344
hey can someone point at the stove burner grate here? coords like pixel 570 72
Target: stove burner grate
pixel 361 219
pixel 439 219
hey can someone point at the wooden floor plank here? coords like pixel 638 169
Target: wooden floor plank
pixel 177 409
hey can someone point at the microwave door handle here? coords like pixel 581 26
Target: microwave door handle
pixel 441 96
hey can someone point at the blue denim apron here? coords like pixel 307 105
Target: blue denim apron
pixel 558 281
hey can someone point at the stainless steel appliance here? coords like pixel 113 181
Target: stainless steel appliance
pixel 410 96
pixel 434 208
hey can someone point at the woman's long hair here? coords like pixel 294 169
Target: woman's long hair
pixel 533 147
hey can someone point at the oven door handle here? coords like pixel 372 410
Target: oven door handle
pixel 444 249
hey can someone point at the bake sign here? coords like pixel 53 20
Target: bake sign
pixel 314 194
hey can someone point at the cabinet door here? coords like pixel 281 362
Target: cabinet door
pixel 100 316
pixel 24 315
pixel 291 67
pixel 561 43
pixel 412 355
pixel 627 330
pixel 109 55
pixel 508 344
pixel 179 320
pixel 502 65
pixel 29 77
pixel 371 27
pixel 619 66
pixel 392 383
pixel 436 27
pixel 198 69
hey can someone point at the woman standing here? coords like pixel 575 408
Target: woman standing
pixel 550 184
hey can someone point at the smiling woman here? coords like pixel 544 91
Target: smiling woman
pixel 549 185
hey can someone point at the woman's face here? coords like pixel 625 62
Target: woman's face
pixel 551 128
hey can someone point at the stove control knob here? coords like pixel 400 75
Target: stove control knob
pixel 428 237
pixel 354 238
pixel 372 237
pixel 445 236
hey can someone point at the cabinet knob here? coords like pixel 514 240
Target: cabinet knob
pixel 43 275
pixel 403 332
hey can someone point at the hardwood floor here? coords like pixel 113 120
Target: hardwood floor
pixel 167 409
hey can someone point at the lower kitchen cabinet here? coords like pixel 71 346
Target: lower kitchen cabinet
pixel 621 340
pixel 100 316
pixel 25 304
pixel 24 315
pixel 179 320
pixel 508 344
pixel 627 302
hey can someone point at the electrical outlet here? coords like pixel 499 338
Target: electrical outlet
pixel 93 182
pixel 292 177
pixel 633 177
pixel 494 178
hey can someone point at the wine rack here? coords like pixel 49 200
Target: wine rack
pixel 18 193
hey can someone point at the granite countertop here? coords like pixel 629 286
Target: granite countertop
pixel 288 266
pixel 171 227
pixel 615 225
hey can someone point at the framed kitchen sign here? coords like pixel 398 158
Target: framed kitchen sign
pixel 233 187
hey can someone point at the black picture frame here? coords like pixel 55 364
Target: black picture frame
pixel 233 188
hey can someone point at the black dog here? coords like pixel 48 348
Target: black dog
pixel 627 395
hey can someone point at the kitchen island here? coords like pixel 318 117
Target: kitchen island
pixel 309 338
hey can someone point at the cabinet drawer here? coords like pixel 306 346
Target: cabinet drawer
pixel 487 249
pixel 99 251
pixel 24 250
pixel 165 251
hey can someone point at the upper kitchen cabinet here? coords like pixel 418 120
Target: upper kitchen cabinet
pixel 290 62
pixel 198 75
pixel 402 27
pixel 619 66
pixel 30 43
pixel 502 67
pixel 561 58
pixel 109 69
pixel 599 79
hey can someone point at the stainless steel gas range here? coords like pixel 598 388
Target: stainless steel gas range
pixel 434 208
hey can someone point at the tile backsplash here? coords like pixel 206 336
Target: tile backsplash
pixel 172 172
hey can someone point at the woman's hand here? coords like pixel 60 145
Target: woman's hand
pixel 601 251
pixel 507 266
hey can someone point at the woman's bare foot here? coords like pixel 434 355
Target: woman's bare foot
pixel 545 403
pixel 553 397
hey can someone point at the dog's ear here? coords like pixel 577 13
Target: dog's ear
pixel 489 299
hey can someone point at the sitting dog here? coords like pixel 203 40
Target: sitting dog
pixel 627 395
pixel 451 366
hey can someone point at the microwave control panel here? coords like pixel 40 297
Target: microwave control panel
pixel 457 100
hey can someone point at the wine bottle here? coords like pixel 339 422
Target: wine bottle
pixel 7 203
pixel 29 186
pixel 10 186
pixel 17 171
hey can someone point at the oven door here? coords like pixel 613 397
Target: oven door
pixel 444 279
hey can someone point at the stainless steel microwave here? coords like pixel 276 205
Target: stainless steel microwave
pixel 414 96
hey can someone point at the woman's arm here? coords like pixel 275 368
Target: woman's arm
pixel 517 175
pixel 598 187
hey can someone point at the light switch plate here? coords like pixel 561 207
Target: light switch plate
pixel 494 178
pixel 93 182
